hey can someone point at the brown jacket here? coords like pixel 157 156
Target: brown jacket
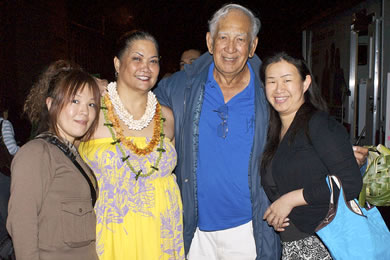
pixel 50 212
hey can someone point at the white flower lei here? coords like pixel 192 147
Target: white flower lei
pixel 125 116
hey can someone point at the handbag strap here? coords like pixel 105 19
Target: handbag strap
pixel 352 204
pixel 65 149
pixel 330 184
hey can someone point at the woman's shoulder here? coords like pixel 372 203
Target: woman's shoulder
pixel 34 152
pixel 167 112
pixel 38 147
pixel 322 121
pixel 323 117
pixel 319 117
pixel 169 124
pixel 34 146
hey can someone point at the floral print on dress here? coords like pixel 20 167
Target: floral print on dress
pixel 122 198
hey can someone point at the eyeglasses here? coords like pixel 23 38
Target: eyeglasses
pixel 222 128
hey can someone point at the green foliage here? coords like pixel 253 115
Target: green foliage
pixel 376 179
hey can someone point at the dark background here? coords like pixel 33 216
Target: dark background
pixel 36 33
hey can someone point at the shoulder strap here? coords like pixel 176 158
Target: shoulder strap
pixel 65 149
pixel 91 187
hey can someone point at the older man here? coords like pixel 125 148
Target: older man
pixel 221 118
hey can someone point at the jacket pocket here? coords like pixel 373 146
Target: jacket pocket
pixel 78 223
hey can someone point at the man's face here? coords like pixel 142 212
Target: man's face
pixel 188 57
pixel 231 45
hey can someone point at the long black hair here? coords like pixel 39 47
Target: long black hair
pixel 313 103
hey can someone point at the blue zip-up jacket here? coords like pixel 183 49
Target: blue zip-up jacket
pixel 183 92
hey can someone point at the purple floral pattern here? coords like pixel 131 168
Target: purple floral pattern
pixel 121 195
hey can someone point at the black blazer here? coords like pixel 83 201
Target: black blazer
pixel 304 163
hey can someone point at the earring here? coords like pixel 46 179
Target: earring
pixel 116 74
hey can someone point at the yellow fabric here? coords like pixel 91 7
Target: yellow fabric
pixel 136 219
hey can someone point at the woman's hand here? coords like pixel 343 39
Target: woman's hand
pixel 276 215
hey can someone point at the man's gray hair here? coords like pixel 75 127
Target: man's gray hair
pixel 224 10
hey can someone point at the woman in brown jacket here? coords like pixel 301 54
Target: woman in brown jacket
pixel 51 214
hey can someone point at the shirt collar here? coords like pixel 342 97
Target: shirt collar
pixel 210 77
pixel 212 83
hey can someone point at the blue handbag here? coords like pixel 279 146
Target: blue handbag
pixel 352 232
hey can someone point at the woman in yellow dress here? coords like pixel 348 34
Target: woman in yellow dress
pixel 139 210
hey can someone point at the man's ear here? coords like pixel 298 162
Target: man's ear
pixel 209 42
pixel 252 47
pixel 49 100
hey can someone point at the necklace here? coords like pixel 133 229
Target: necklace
pixel 125 116
pixel 119 131
pixel 112 122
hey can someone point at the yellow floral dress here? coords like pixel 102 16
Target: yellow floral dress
pixel 137 219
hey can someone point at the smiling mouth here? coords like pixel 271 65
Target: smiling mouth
pixel 280 99
pixel 143 78
pixel 229 59
pixel 82 122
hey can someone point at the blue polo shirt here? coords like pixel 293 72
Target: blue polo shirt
pixel 225 143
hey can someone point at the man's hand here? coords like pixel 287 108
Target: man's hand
pixel 361 154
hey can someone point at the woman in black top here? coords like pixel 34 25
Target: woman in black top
pixel 304 145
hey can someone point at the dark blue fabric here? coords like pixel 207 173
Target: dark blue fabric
pixel 183 92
